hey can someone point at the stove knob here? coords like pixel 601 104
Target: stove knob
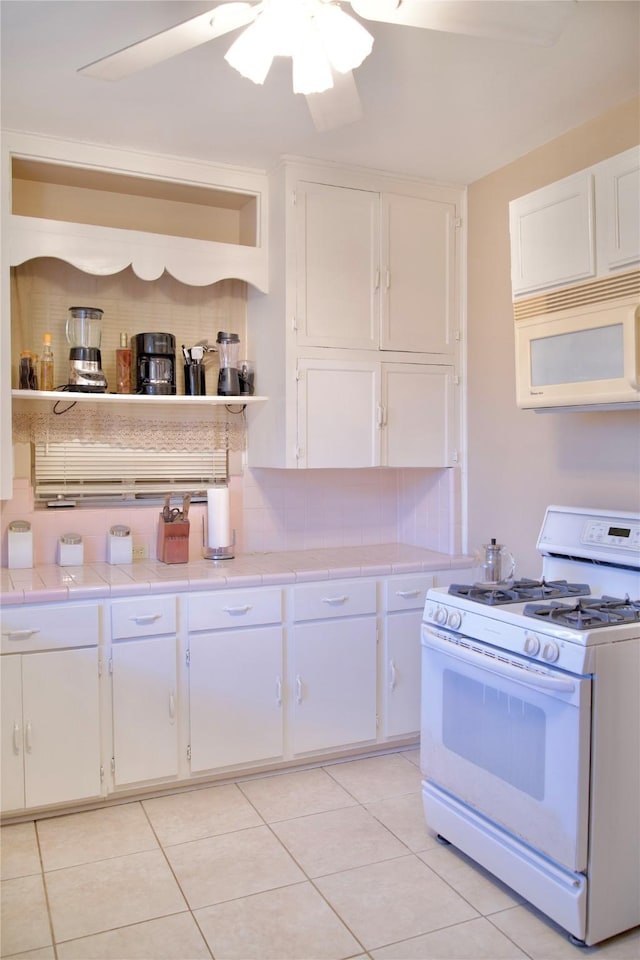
pixel 550 651
pixel 455 619
pixel 440 616
pixel 531 644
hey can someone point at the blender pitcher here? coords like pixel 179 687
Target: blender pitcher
pixel 84 332
pixel 228 352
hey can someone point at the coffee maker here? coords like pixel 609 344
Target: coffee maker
pixel 84 332
pixel 153 363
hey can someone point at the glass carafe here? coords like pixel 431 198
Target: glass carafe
pixel 84 327
pixel 228 352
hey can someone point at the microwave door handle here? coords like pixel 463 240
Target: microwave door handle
pixel 500 668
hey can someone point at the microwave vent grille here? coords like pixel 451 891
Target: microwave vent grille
pixel 595 291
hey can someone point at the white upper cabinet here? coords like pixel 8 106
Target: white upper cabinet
pixel 417 274
pixel 374 270
pixel 364 278
pixel 618 208
pixel 552 235
pixel 586 226
pixel 337 272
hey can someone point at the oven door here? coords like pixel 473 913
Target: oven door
pixel 511 743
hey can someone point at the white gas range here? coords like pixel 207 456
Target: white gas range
pixel 530 746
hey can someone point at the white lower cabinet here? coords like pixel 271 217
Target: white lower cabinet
pixel 400 672
pixel 145 730
pixel 235 677
pixel 333 668
pixel 235 695
pixel 144 689
pixel 51 722
pixel 50 728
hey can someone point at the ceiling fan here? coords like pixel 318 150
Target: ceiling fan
pixel 326 42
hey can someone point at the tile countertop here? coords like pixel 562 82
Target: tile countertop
pixel 50 583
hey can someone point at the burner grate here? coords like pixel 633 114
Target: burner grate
pixel 518 591
pixel 587 614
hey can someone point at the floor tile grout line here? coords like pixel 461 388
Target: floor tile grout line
pixel 46 891
pixel 179 885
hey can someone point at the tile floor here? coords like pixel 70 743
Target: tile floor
pixel 318 864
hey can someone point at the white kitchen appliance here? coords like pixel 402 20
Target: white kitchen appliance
pixel 530 731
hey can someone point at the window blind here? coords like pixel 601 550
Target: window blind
pixel 78 470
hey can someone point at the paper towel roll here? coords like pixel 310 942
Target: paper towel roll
pixel 219 529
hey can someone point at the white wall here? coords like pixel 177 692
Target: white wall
pixel 521 461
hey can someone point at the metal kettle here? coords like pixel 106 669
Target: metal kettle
pixel 498 564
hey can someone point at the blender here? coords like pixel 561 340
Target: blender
pixel 84 331
pixel 228 350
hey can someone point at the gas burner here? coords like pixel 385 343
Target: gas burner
pixel 518 591
pixel 587 614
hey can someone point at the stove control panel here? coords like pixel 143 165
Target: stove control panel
pixel 621 534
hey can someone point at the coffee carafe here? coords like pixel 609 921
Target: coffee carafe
pixel 84 333
pixel 228 352
pixel 498 564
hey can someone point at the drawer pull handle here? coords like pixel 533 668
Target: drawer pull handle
pixel 20 634
pixel 392 675
pixel 145 618
pixel 16 737
pixel 298 689
pixel 27 737
pixel 172 706
pixel 237 611
pixel 278 691
pixel 407 594
pixel 335 601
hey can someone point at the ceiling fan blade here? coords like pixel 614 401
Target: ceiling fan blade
pixel 168 43
pixel 337 106
pixel 530 21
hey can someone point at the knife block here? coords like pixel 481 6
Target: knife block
pixel 173 541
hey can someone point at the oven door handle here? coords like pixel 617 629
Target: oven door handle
pixel 491 663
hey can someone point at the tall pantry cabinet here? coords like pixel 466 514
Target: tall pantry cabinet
pixel 357 343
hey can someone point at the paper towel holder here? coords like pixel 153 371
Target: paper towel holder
pixel 217 553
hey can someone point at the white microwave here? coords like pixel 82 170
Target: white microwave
pixel 587 357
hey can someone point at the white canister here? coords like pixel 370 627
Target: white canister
pixel 119 544
pixel 20 545
pixel 70 550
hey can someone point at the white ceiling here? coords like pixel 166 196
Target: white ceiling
pixel 436 105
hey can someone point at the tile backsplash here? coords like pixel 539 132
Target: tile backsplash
pixel 273 510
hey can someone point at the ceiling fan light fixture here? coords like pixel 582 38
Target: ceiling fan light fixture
pixel 252 53
pixel 347 42
pixel 316 34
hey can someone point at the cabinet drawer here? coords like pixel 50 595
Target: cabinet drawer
pixel 143 617
pixel 334 598
pixel 407 593
pixel 234 608
pixel 45 627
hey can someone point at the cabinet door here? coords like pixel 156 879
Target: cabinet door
pixel 418 274
pixel 235 686
pixel 419 403
pixel 339 413
pixel 618 211
pixel 334 683
pixel 401 674
pixel 337 261
pixel 552 235
pixel 145 737
pixel 61 726
pixel 11 743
